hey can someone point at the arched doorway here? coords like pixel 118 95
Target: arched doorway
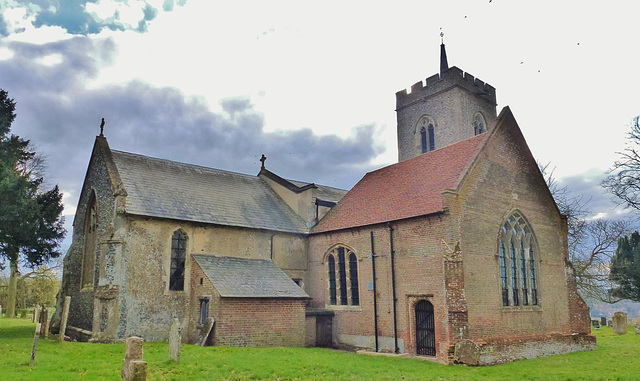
pixel 425 329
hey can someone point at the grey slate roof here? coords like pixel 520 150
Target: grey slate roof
pixel 167 189
pixel 324 192
pixel 248 278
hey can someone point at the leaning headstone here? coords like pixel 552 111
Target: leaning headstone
pixel 36 336
pixel 175 341
pixel 133 368
pixel 65 316
pixel 620 323
pixel 205 331
pixel 36 314
pixel 603 321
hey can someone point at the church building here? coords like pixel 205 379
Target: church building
pixel 458 252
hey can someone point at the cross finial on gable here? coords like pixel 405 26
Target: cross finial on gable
pixel 263 159
pixel 102 127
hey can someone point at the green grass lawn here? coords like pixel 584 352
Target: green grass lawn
pixel 617 358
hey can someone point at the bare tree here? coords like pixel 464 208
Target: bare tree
pixel 591 242
pixel 624 177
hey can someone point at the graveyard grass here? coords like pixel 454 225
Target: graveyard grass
pixel 616 359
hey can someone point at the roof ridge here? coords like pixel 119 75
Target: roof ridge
pixel 183 163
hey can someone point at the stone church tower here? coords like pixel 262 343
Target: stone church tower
pixel 449 107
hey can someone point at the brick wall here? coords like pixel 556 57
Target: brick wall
pixel 451 259
pixel 246 322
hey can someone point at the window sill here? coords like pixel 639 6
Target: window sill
pixel 342 307
pixel 537 308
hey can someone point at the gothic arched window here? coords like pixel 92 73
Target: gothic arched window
pixel 90 242
pixel 426 129
pixel 479 125
pixel 343 279
pixel 518 265
pixel 178 260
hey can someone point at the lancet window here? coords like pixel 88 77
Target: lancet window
pixel 178 260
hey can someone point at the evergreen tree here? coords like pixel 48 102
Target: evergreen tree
pixel 31 226
pixel 625 268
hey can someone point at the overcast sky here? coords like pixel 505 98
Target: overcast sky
pixel 311 84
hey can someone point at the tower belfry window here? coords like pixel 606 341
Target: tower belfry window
pixel 427 134
pixel 479 125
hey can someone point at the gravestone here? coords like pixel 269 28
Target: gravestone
pixel 638 327
pixel 603 321
pixel 610 323
pixel 44 319
pixel 205 331
pixel 0 311
pixel 36 336
pixel 133 368
pixel 36 314
pixel 175 341
pixel 595 323
pixel 65 316
pixel 466 352
pixel 620 323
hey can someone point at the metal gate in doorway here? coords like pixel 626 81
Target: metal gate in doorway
pixel 425 329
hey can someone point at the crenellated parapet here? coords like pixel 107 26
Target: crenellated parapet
pixel 435 84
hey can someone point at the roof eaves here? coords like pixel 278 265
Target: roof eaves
pixel 312 232
pixel 271 229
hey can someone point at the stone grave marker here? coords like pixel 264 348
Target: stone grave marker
pixel 595 323
pixel 44 319
pixel 175 341
pixel 638 327
pixel 205 331
pixel 603 321
pixel 620 323
pixel 133 368
pixel 65 316
pixel 0 311
pixel 36 336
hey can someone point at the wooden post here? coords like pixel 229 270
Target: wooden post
pixel 65 316
pixel 36 336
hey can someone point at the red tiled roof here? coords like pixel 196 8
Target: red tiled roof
pixel 408 189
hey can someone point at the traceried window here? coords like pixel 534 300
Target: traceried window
pixel 427 134
pixel 178 259
pixel 343 278
pixel 90 241
pixel 479 124
pixel 517 262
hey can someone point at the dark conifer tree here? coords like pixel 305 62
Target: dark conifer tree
pixel 31 225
